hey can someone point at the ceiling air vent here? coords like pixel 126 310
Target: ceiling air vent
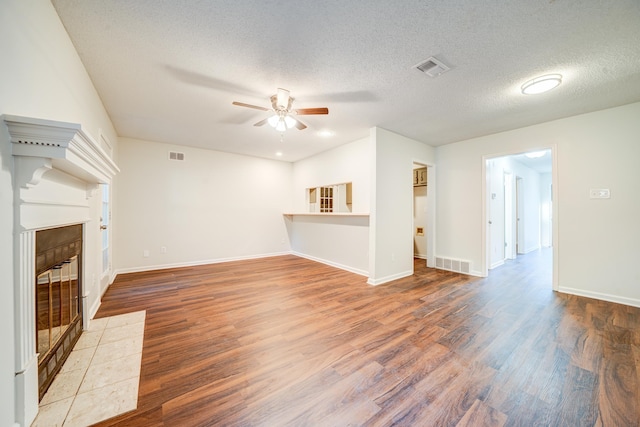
pixel 432 67
pixel 173 155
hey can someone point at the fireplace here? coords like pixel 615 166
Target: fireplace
pixel 58 278
pixel 58 299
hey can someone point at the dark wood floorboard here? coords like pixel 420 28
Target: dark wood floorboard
pixel 285 341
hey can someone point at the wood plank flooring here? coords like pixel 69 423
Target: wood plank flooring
pixel 285 341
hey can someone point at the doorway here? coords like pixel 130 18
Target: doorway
pixel 510 230
pixel 517 205
pixel 423 240
pixel 521 247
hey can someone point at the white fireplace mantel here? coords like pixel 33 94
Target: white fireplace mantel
pixel 57 168
pixel 45 144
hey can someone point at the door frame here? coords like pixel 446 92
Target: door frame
pixel 520 213
pixel 509 215
pixel 484 268
pixel 430 228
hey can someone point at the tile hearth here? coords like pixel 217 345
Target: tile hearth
pixel 100 378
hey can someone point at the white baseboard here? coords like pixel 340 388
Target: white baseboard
pixel 527 250
pixel 600 296
pixel 192 263
pixel 376 282
pixel 332 264
pixel 94 309
pixel 26 392
pixel 496 264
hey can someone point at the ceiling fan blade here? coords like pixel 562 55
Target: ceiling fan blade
pixel 261 122
pixel 307 111
pixel 299 125
pixel 283 98
pixel 242 104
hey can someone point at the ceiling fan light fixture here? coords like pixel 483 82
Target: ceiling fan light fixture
pixel 541 84
pixel 281 126
pixel 282 98
pixel 273 120
pixel 282 112
pixel 289 121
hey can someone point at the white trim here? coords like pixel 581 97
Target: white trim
pixel 66 145
pixel 38 147
pixel 332 264
pixel 376 282
pixel 231 259
pixel 26 388
pixel 325 214
pixel 192 263
pixel 93 309
pixel 533 249
pixel 496 264
pixel 600 296
pixel 554 212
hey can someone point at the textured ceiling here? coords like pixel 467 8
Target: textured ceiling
pixel 169 70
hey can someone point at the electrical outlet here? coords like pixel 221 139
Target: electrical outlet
pixel 145 253
pixel 163 249
pixel 599 193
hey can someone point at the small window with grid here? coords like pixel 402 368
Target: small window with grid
pixel 326 199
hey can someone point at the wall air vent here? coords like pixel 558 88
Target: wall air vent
pixel 173 155
pixel 432 67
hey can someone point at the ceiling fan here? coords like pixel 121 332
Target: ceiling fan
pixel 283 115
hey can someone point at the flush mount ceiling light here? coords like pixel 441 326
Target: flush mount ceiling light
pixel 541 84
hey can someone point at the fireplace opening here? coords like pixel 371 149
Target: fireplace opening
pixel 58 299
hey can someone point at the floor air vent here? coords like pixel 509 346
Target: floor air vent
pixel 173 155
pixel 451 264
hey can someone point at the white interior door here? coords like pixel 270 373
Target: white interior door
pixel 520 245
pixel 509 216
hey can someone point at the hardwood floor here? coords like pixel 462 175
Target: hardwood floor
pixel 286 341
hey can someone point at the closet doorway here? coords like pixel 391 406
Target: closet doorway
pixel 423 212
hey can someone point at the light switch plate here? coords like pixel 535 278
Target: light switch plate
pixel 599 193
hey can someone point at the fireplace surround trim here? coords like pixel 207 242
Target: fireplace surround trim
pixel 41 149
pixel 60 145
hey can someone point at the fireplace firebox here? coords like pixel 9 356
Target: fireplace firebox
pixel 58 298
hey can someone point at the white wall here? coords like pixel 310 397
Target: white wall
pixel 211 207
pixel 596 249
pixel 41 77
pixel 391 221
pixel 346 163
pixel 341 241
